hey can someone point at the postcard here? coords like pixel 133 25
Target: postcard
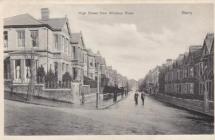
pixel 104 69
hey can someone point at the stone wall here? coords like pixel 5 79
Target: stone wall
pixel 190 104
pixel 57 94
pixel 64 95
pixel 93 90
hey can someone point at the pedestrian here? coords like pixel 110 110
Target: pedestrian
pixel 82 98
pixel 122 92
pixel 115 94
pixel 142 97
pixel 136 97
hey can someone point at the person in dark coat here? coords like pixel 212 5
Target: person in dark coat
pixel 142 97
pixel 115 93
pixel 136 97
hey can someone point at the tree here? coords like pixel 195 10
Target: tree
pixel 40 74
pixel 50 79
pixel 67 78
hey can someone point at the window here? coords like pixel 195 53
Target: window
pixel 191 88
pixel 21 38
pixel 55 67
pixel 69 51
pixel 7 68
pixel 191 72
pixel 210 90
pixel 91 64
pixel 27 69
pixel 67 67
pixel 62 67
pixel 74 73
pixel 5 39
pixel 18 69
pixel 201 88
pixel 34 38
pixel 65 45
pixel 56 41
pixel 74 51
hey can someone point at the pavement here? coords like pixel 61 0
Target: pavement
pixel 90 103
pixel 122 118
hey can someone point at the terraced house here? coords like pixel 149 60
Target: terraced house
pixel 189 71
pixel 189 76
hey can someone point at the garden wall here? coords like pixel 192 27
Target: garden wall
pixel 190 104
pixel 63 95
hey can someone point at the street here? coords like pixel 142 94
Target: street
pixel 122 118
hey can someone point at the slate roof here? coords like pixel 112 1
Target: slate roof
pixel 23 19
pixel 195 52
pixel 55 23
pixel 195 48
pixel 28 20
pixel 75 37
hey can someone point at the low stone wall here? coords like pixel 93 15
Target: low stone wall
pixel 64 95
pixel 190 104
pixel 57 94
pixel 93 90
pixel 85 89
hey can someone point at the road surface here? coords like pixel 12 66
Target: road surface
pixel 123 118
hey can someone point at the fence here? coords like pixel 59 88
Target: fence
pixel 56 85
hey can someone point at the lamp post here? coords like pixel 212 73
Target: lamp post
pixel 98 86
pixel 204 78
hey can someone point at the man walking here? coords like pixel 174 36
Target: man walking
pixel 136 97
pixel 142 97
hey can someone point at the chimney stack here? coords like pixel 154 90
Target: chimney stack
pixel 44 13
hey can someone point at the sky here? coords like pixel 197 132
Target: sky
pixel 136 42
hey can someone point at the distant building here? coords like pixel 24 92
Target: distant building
pixel 79 57
pixel 186 75
pixel 91 64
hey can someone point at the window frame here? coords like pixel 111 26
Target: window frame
pixel 21 40
pixel 5 40
pixel 32 39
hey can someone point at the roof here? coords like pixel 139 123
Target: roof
pixel 55 23
pixel 23 19
pixel 75 37
pixel 195 52
pixel 89 52
pixel 195 48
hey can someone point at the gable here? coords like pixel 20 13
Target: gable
pixel 212 48
pixel 205 50
pixel 66 28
